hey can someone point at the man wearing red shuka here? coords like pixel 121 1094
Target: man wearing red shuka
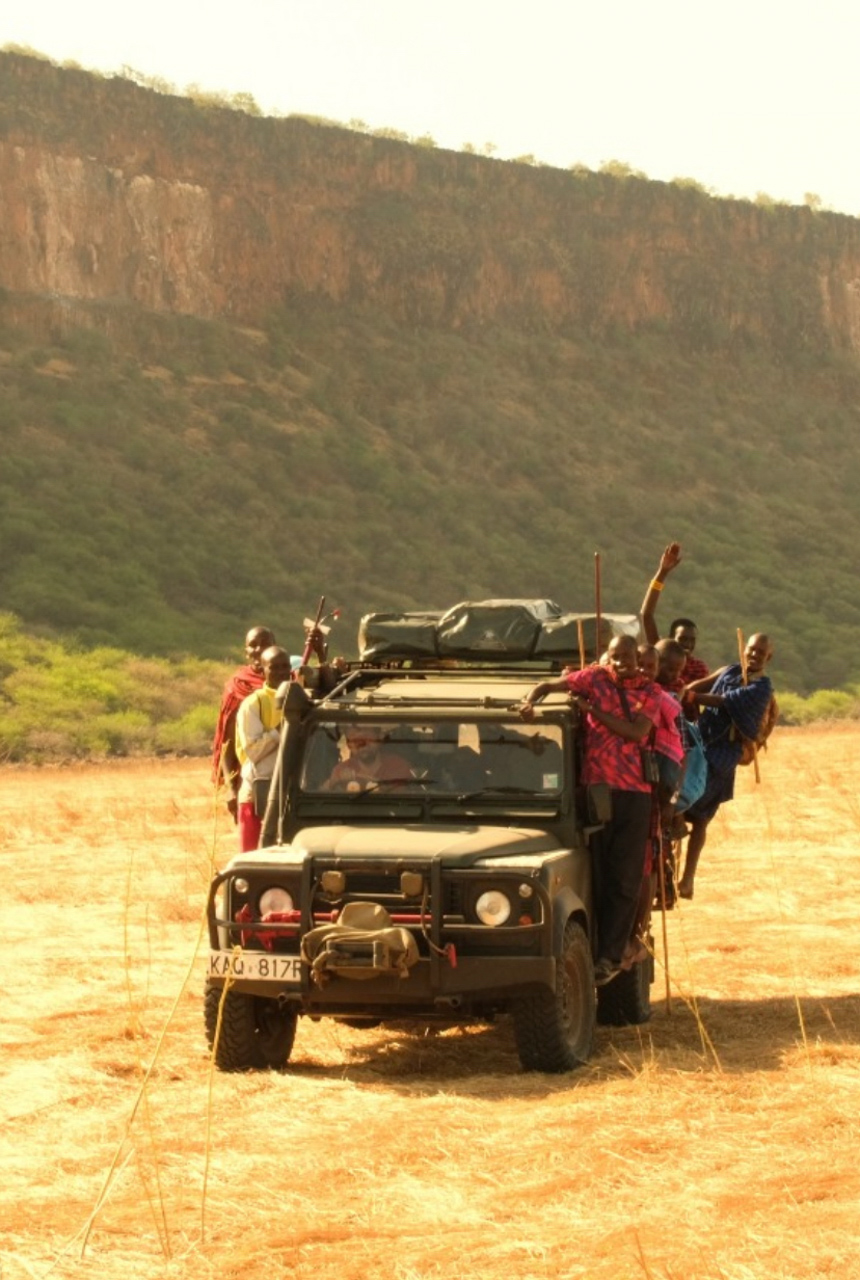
pixel 225 763
pixel 620 706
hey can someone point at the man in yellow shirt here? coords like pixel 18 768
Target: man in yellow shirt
pixel 258 732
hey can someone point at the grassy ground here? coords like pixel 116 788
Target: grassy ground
pixel 717 1143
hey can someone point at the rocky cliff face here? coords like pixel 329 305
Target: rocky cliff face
pixel 111 195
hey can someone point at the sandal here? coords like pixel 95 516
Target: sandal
pixel 604 971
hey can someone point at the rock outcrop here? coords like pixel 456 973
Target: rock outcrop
pixel 112 195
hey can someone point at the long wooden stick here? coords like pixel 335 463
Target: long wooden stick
pixel 580 635
pixel 743 660
pixel 742 657
pixel 597 641
pixel 661 880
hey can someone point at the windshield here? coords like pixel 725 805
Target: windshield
pixel 469 758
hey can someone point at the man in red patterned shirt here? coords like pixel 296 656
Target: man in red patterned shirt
pixel 620 706
pixel 681 629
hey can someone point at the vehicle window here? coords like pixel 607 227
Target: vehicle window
pixel 528 757
pixel 321 755
pixel 440 758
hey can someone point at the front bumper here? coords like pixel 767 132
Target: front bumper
pixel 461 964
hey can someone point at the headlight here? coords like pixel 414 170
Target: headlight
pixel 275 899
pixel 493 907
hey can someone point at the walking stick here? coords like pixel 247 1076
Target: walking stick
pixel 581 639
pixel 743 659
pixel 597 642
pixel 661 881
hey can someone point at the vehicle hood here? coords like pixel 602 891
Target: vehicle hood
pixel 468 843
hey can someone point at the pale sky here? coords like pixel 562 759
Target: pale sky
pixel 745 96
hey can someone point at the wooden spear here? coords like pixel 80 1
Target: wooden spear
pixel 661 880
pixel 597 642
pixel 743 659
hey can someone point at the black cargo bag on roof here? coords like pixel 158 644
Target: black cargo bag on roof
pixel 559 637
pixel 397 635
pixel 493 629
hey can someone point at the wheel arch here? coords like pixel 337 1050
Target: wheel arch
pixel 567 905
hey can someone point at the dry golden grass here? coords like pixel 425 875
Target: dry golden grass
pixel 717 1143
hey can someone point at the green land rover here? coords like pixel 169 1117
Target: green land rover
pixel 425 854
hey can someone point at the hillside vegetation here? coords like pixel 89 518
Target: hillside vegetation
pixel 58 703
pixel 169 480
pixel 164 500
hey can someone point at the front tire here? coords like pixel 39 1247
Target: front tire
pixel 554 1029
pixel 256 1033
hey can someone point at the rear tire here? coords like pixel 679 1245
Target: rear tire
pixel 554 1030
pixel 626 1000
pixel 255 1033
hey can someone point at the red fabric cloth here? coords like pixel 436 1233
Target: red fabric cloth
pixel 608 757
pixel 694 669
pixel 241 683
pixel 250 827
pixel 667 732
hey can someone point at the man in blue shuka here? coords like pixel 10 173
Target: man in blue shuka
pixel 736 702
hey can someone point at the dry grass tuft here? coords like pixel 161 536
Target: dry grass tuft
pixel 717 1143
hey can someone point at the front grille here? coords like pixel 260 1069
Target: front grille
pixel 384 887
pixel 447 919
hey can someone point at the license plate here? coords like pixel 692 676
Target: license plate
pixel 255 964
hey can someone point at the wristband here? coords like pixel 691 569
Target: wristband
pixel 655 585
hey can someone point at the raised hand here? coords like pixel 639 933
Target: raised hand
pixel 670 559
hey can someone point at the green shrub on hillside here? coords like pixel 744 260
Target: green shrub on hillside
pixel 823 705
pixel 57 703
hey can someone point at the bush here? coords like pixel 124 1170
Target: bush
pixel 825 704
pixel 58 703
pixel 191 735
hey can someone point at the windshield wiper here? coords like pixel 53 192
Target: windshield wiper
pixel 498 791
pixel 375 786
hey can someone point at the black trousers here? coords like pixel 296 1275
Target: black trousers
pixel 617 868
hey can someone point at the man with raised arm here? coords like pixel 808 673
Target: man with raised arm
pixel 736 700
pixel 683 630
pixel 620 707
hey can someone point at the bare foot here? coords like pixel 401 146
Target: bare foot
pixel 634 953
pixel 679 828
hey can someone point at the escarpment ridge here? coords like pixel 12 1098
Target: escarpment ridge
pixel 110 193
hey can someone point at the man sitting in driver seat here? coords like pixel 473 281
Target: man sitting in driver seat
pixel 370 763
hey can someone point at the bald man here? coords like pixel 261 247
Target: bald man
pixel 258 732
pixel 736 700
